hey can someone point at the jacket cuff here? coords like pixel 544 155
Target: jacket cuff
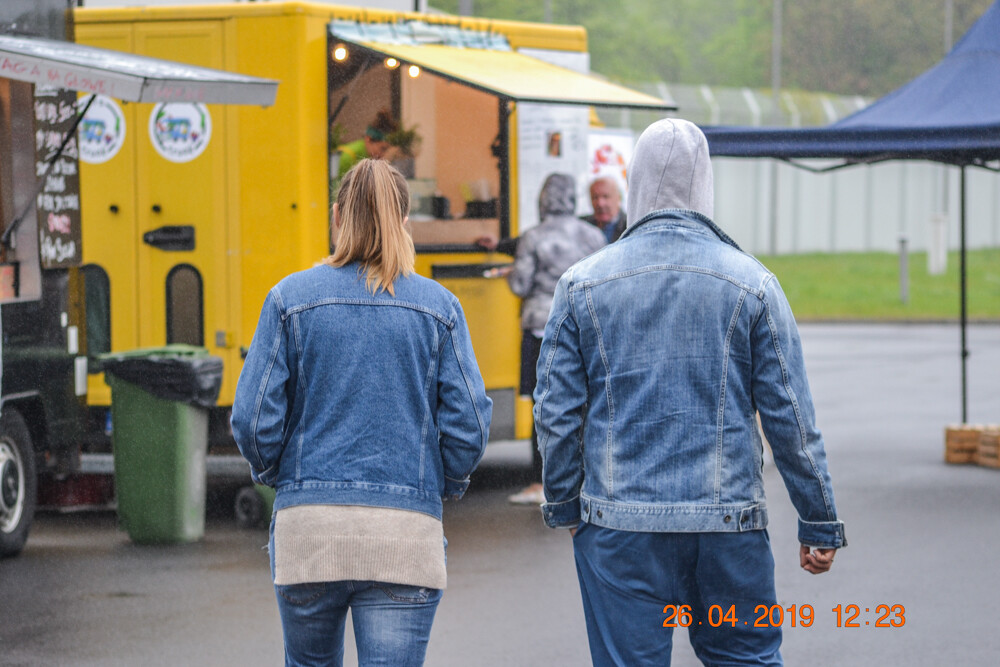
pixel 562 515
pixel 454 488
pixel 822 534
pixel 265 477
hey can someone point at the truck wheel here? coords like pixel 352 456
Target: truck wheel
pixel 249 508
pixel 18 483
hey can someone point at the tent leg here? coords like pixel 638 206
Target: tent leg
pixel 963 289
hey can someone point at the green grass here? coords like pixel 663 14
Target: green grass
pixel 865 286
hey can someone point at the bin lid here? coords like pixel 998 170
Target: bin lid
pixel 171 350
pixel 184 373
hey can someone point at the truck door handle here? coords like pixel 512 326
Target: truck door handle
pixel 171 237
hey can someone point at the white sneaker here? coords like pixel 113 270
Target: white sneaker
pixel 531 495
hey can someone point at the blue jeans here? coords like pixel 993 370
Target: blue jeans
pixel 392 622
pixel 627 578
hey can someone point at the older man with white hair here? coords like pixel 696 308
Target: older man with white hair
pixel 606 200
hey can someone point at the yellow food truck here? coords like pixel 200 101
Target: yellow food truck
pixel 193 211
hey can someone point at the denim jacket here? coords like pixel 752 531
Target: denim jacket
pixel 350 398
pixel 659 352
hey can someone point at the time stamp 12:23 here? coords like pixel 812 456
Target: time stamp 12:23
pixel 773 616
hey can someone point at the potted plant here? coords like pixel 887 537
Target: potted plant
pixel 406 142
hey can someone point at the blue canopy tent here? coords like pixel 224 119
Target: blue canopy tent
pixel 948 114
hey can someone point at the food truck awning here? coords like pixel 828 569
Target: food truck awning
pixel 485 61
pixel 128 77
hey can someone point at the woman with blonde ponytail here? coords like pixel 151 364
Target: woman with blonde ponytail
pixel 361 403
pixel 371 224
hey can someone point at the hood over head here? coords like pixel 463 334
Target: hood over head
pixel 670 168
pixel 558 196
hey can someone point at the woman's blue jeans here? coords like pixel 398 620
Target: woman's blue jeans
pixel 392 622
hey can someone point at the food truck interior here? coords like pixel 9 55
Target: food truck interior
pixel 455 160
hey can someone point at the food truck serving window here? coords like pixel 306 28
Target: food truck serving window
pixel 453 90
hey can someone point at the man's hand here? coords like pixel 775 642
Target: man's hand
pixel 816 561
pixel 488 242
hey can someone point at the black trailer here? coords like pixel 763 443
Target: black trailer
pixel 43 315
pixel 42 370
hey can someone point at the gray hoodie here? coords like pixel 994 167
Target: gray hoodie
pixel 546 251
pixel 670 168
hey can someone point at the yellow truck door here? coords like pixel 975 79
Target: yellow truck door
pixel 168 268
pixel 181 198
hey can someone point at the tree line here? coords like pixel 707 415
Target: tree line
pixel 848 47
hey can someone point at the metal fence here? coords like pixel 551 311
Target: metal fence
pixel 860 208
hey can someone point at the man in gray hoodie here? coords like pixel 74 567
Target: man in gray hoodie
pixel 658 353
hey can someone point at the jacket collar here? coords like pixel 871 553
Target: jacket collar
pixel 686 218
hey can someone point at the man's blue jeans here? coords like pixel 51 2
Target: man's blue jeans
pixel 633 583
pixel 392 622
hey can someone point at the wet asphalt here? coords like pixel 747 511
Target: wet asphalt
pixel 922 534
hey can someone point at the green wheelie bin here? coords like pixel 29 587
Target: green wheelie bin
pixel 159 438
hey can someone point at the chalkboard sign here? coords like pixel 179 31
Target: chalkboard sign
pixel 58 202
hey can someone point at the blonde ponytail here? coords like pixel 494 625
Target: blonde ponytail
pixel 372 204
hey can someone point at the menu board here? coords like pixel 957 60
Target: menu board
pixel 58 201
pixel 551 138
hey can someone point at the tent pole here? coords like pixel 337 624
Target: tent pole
pixel 964 308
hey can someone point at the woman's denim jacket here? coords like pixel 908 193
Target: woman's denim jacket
pixel 350 398
pixel 659 352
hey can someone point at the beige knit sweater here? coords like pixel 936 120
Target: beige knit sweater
pixel 340 542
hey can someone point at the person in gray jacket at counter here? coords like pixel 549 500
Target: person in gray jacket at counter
pixel 543 253
pixel 658 353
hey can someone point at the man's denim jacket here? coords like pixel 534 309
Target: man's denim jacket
pixel 658 354
pixel 350 398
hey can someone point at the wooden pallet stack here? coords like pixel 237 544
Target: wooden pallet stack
pixel 973 443
pixel 988 453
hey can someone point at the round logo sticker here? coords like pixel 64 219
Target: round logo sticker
pixel 180 131
pixel 102 130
